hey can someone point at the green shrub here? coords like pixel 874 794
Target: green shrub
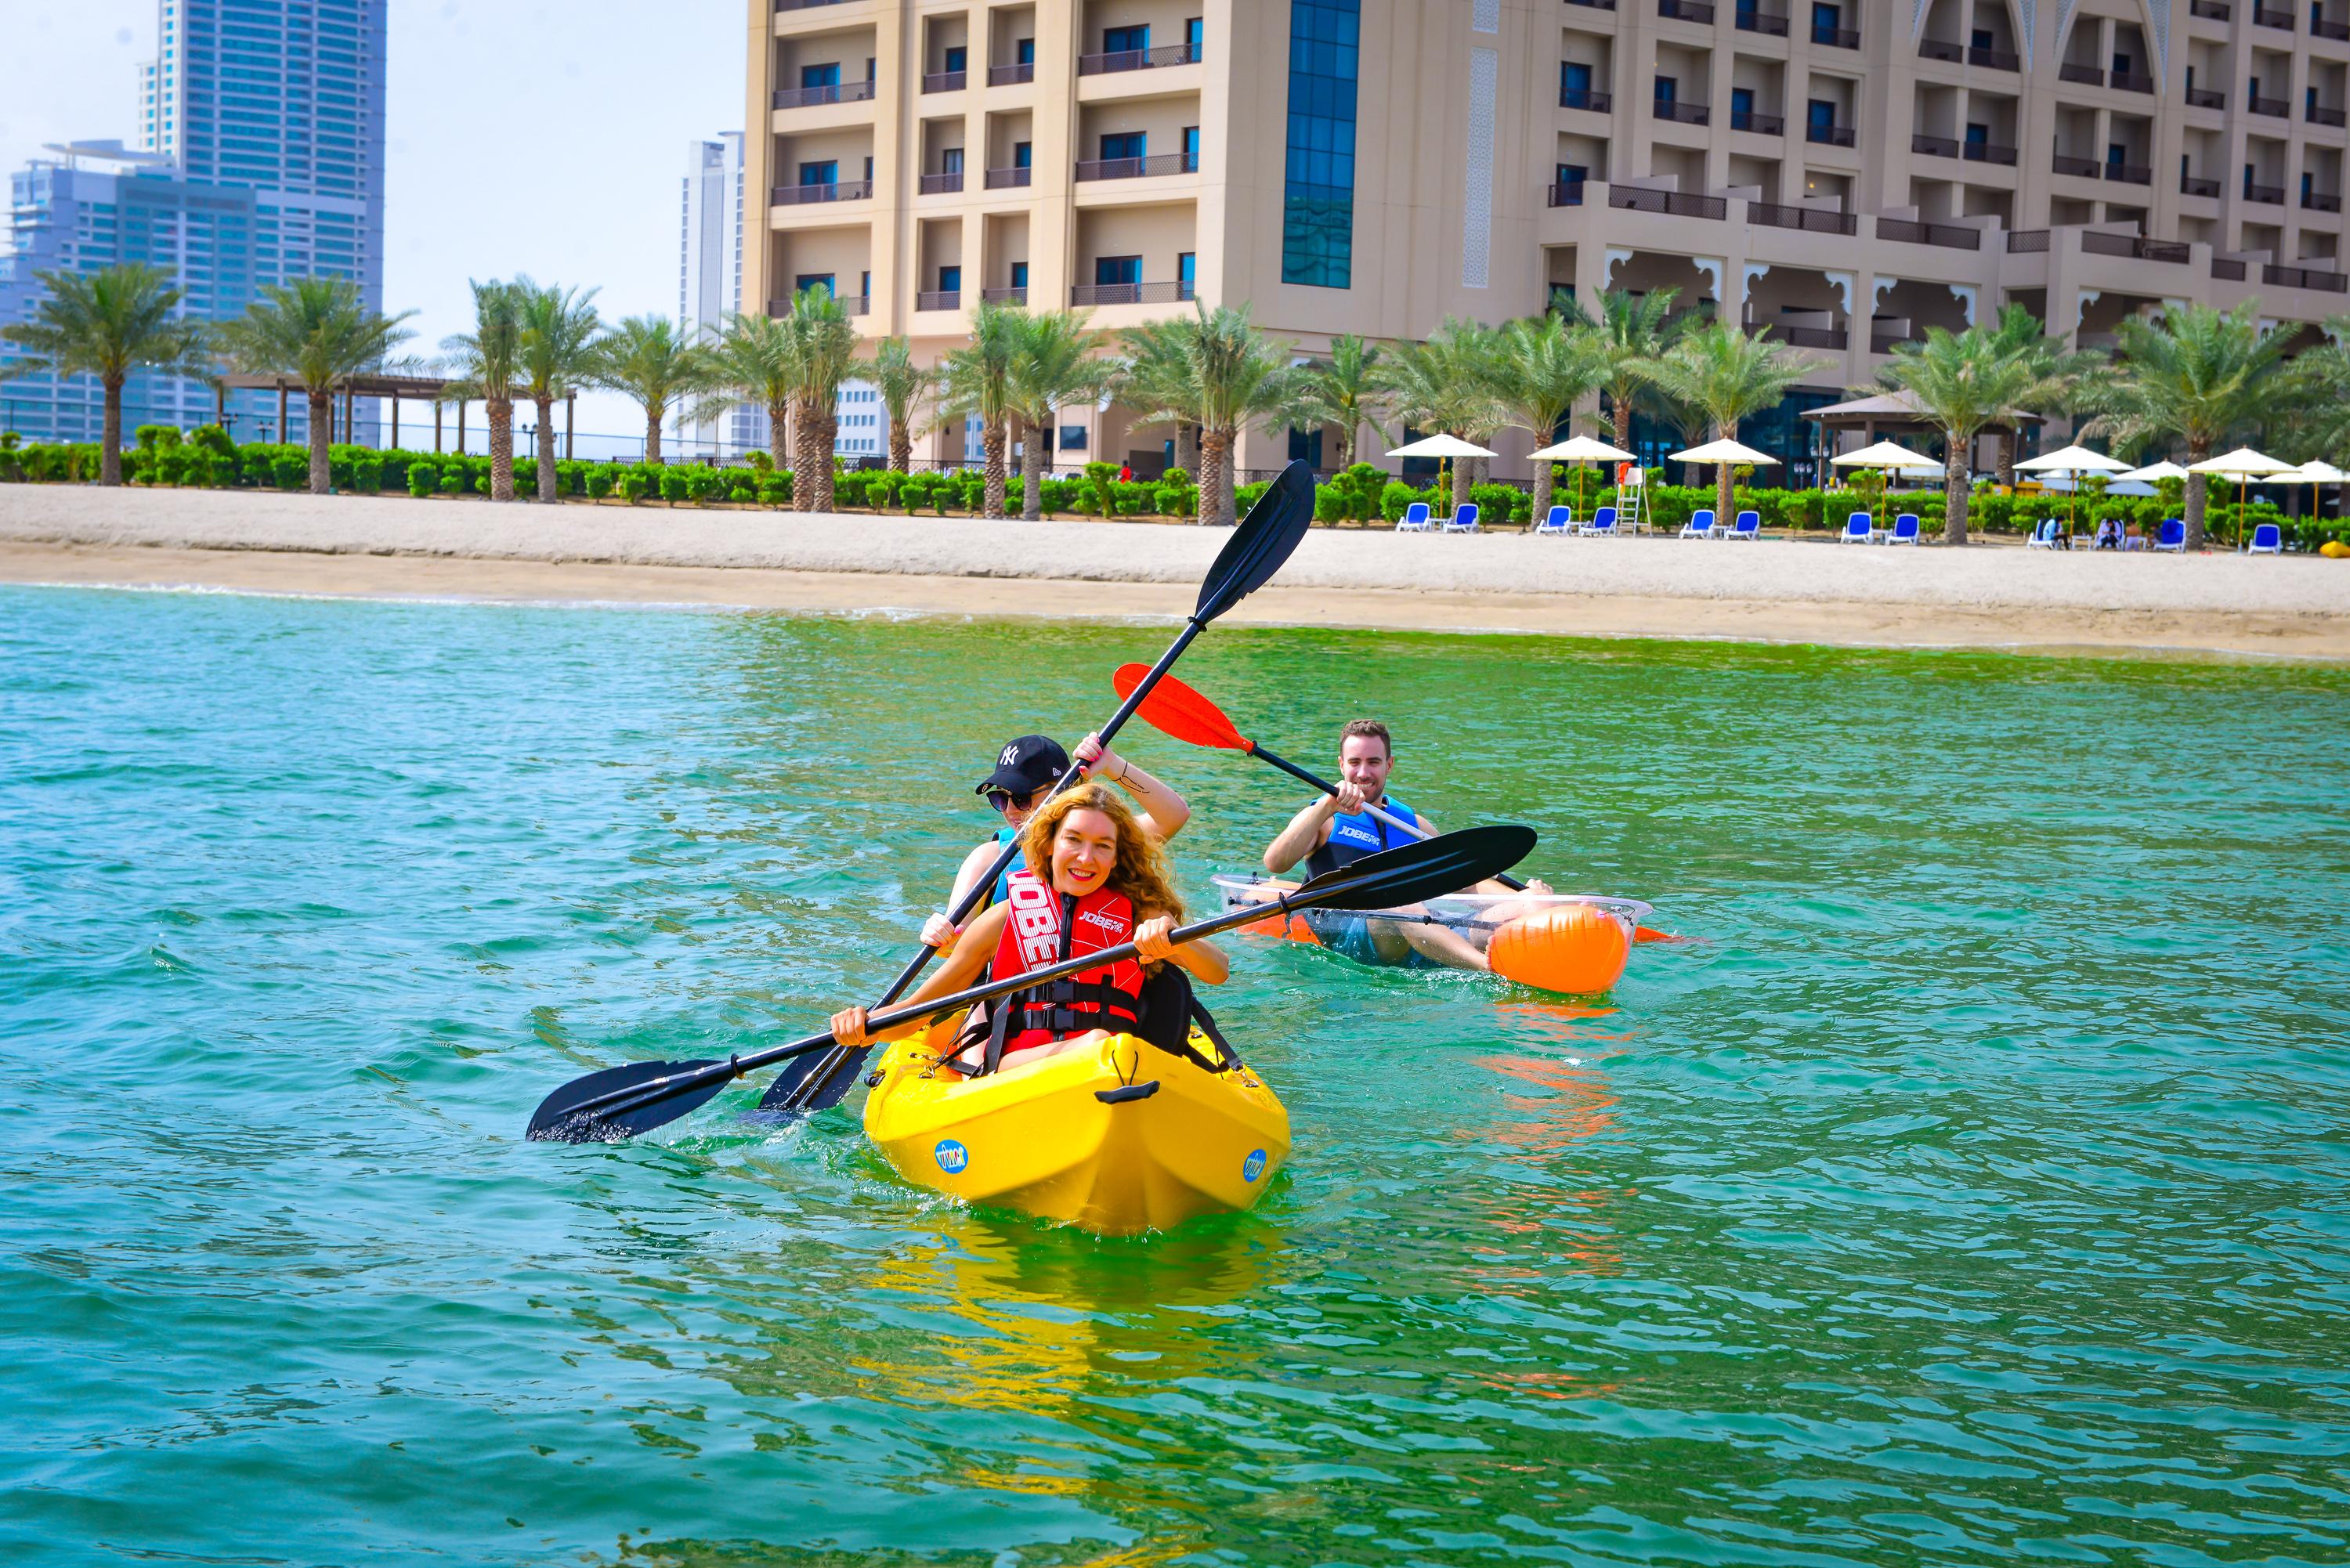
pixel 969 492
pixel 423 478
pixel 290 471
pixel 775 490
pixel 676 485
pixel 599 481
pixel 1248 495
pixel 1099 477
pixel 1175 495
pixel 850 489
pixel 1065 496
pixel 366 475
pixel 1133 499
pixel 631 486
pixel 741 484
pixel 153 438
pixel 760 461
pixel 1500 505
pixel 1395 498
pixel 1330 505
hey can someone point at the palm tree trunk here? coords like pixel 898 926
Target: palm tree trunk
pixel 109 440
pixel 2007 459
pixel 1464 478
pixel 827 436
pixel 501 412
pixel 1345 447
pixel 322 422
pixel 901 446
pixel 779 422
pixel 1187 449
pixel 803 456
pixel 1228 506
pixel 993 441
pixel 2197 487
pixel 1954 488
pixel 1213 471
pixel 1541 491
pixel 1031 476
pixel 1722 479
pixel 652 436
pixel 1621 407
pixel 546 477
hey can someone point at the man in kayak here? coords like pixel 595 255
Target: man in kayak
pixel 1095 878
pixel 1025 772
pixel 1337 830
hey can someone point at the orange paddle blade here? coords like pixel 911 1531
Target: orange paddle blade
pixel 1174 709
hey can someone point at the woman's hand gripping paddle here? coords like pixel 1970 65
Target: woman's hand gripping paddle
pixel 1264 539
pixel 1180 711
pixel 621 1102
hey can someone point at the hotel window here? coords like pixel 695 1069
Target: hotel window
pixel 1019 275
pixel 1125 40
pixel 1318 228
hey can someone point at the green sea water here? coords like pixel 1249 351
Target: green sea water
pixel 1970 1187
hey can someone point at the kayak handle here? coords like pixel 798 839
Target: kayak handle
pixel 1126 1092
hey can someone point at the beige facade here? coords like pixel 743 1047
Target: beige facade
pixel 1840 176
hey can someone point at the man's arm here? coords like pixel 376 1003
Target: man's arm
pixel 1306 831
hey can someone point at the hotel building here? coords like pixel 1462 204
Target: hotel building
pixel 1840 176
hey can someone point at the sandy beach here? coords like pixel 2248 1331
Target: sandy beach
pixel 1772 590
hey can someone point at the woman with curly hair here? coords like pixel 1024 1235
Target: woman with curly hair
pixel 1095 880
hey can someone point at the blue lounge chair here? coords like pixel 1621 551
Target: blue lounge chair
pixel 1905 529
pixel 1858 529
pixel 1463 521
pixel 1602 522
pixel 1559 520
pixel 1699 525
pixel 2043 537
pixel 2267 539
pixel 1748 526
pixel 2171 535
pixel 1415 520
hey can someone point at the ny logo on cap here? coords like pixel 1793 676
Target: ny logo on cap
pixel 1011 755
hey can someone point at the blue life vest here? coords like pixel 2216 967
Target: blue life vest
pixel 1357 834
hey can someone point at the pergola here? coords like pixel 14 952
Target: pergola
pixel 1898 411
pixel 392 388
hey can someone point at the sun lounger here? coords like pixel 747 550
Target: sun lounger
pixel 2043 537
pixel 2267 539
pixel 2170 536
pixel 1602 522
pixel 1415 520
pixel 1699 525
pixel 1748 526
pixel 1463 521
pixel 1905 530
pixel 1559 520
pixel 1858 529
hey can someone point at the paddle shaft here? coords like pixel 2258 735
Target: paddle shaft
pixel 1327 787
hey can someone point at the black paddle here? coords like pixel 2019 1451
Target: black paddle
pixel 1264 540
pixel 621 1102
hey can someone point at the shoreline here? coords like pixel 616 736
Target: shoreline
pixel 1771 591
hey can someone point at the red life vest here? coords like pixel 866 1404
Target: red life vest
pixel 1043 928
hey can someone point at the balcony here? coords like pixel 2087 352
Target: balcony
pixel 2130 81
pixel 942 185
pixel 2210 10
pixel 1940 49
pixel 2226 270
pixel 2129 173
pixel 2189 185
pixel 850 303
pixel 1138 60
pixel 1812 220
pixel 940 299
pixel 1934 146
pixel 1797 337
pixel 1005 295
pixel 946 81
pixel 1990 153
pixel 2305 277
pixel 1595 5
pixel 1565 193
pixel 1130 293
pixel 2319 28
pixel 839 92
pixel 2274 108
pixel 2264 17
pixel 1994 60
pixel 2081 168
pixel 2087 76
pixel 2098 243
pixel 1949 237
pixel 808 195
pixel 1770 25
pixel 2321 201
pixel 1760 124
pixel 1013 75
pixel 1828 135
pixel 1138 168
pixel 1696 11
pixel 1585 98
pixel 2321 114
pixel 1836 37
pixel 1681 114
pixel 1008 179
pixel 2204 97
pixel 2266 196
pixel 2027 241
pixel 805 5
pixel 1889 342
pixel 1637 199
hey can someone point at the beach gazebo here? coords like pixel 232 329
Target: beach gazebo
pixel 392 389
pixel 1884 413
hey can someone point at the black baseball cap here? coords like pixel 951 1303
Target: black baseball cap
pixel 1027 765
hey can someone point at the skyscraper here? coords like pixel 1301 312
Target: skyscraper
pixel 262 125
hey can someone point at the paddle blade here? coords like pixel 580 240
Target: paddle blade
pixel 1429 869
pixel 1175 709
pixel 817 1081
pixel 558 1118
pixel 1262 543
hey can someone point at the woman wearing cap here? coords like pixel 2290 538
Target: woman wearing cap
pixel 1025 772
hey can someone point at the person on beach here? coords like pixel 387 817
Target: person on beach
pixel 1025 772
pixel 1095 878
pixel 1337 830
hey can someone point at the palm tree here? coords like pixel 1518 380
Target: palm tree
pixel 487 364
pixel 824 352
pixel 1449 385
pixel 558 353
pixel 2199 375
pixel 755 360
pixel 975 382
pixel 318 332
pixel 1546 367
pixel 1634 331
pixel 1059 362
pixel 1341 392
pixel 1962 382
pixel 1212 369
pixel 107 324
pixel 2062 372
pixel 1720 374
pixel 904 386
pixel 644 357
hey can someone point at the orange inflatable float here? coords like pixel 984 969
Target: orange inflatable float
pixel 1578 950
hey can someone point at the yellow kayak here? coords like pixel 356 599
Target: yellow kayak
pixel 1082 1136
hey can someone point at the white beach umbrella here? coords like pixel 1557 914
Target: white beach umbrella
pixel 1583 449
pixel 1891 456
pixel 1442 447
pixel 1724 455
pixel 2242 465
pixel 2153 473
pixel 2075 460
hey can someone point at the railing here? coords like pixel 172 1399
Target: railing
pixel 836 92
pixel 2027 241
pixel 2231 271
pixel 850 303
pixel 805 5
pixel 2130 81
pixel 1890 342
pixel 1760 124
pixel 1008 179
pixel 1005 295
pixel 1777 215
pixel 1138 60
pixel 1012 75
pixel 2098 242
pixel 2274 108
pixel 2322 114
pixel 1940 49
pixel 2204 97
pixel 1565 193
pixel 1949 237
pixel 1990 153
pixel 2319 28
pixel 1934 146
pixel 2264 17
pixel 2266 196
pixel 1770 24
pixel 946 81
pixel 1138 168
pixel 938 184
pixel 1836 37
pixel 2321 201
pixel 2065 163
pixel 1130 293
pixel 1696 11
pixel 2307 278
pixel 1584 98
pixel 1797 337
pixel 2210 10
pixel 2129 173
pixel 1994 60
pixel 2088 75
pixel 1595 5
pixel 1672 109
pixel 1828 135
pixel 940 299
pixel 1639 199
pixel 2189 185
pixel 806 195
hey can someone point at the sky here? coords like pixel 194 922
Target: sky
pixel 495 165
